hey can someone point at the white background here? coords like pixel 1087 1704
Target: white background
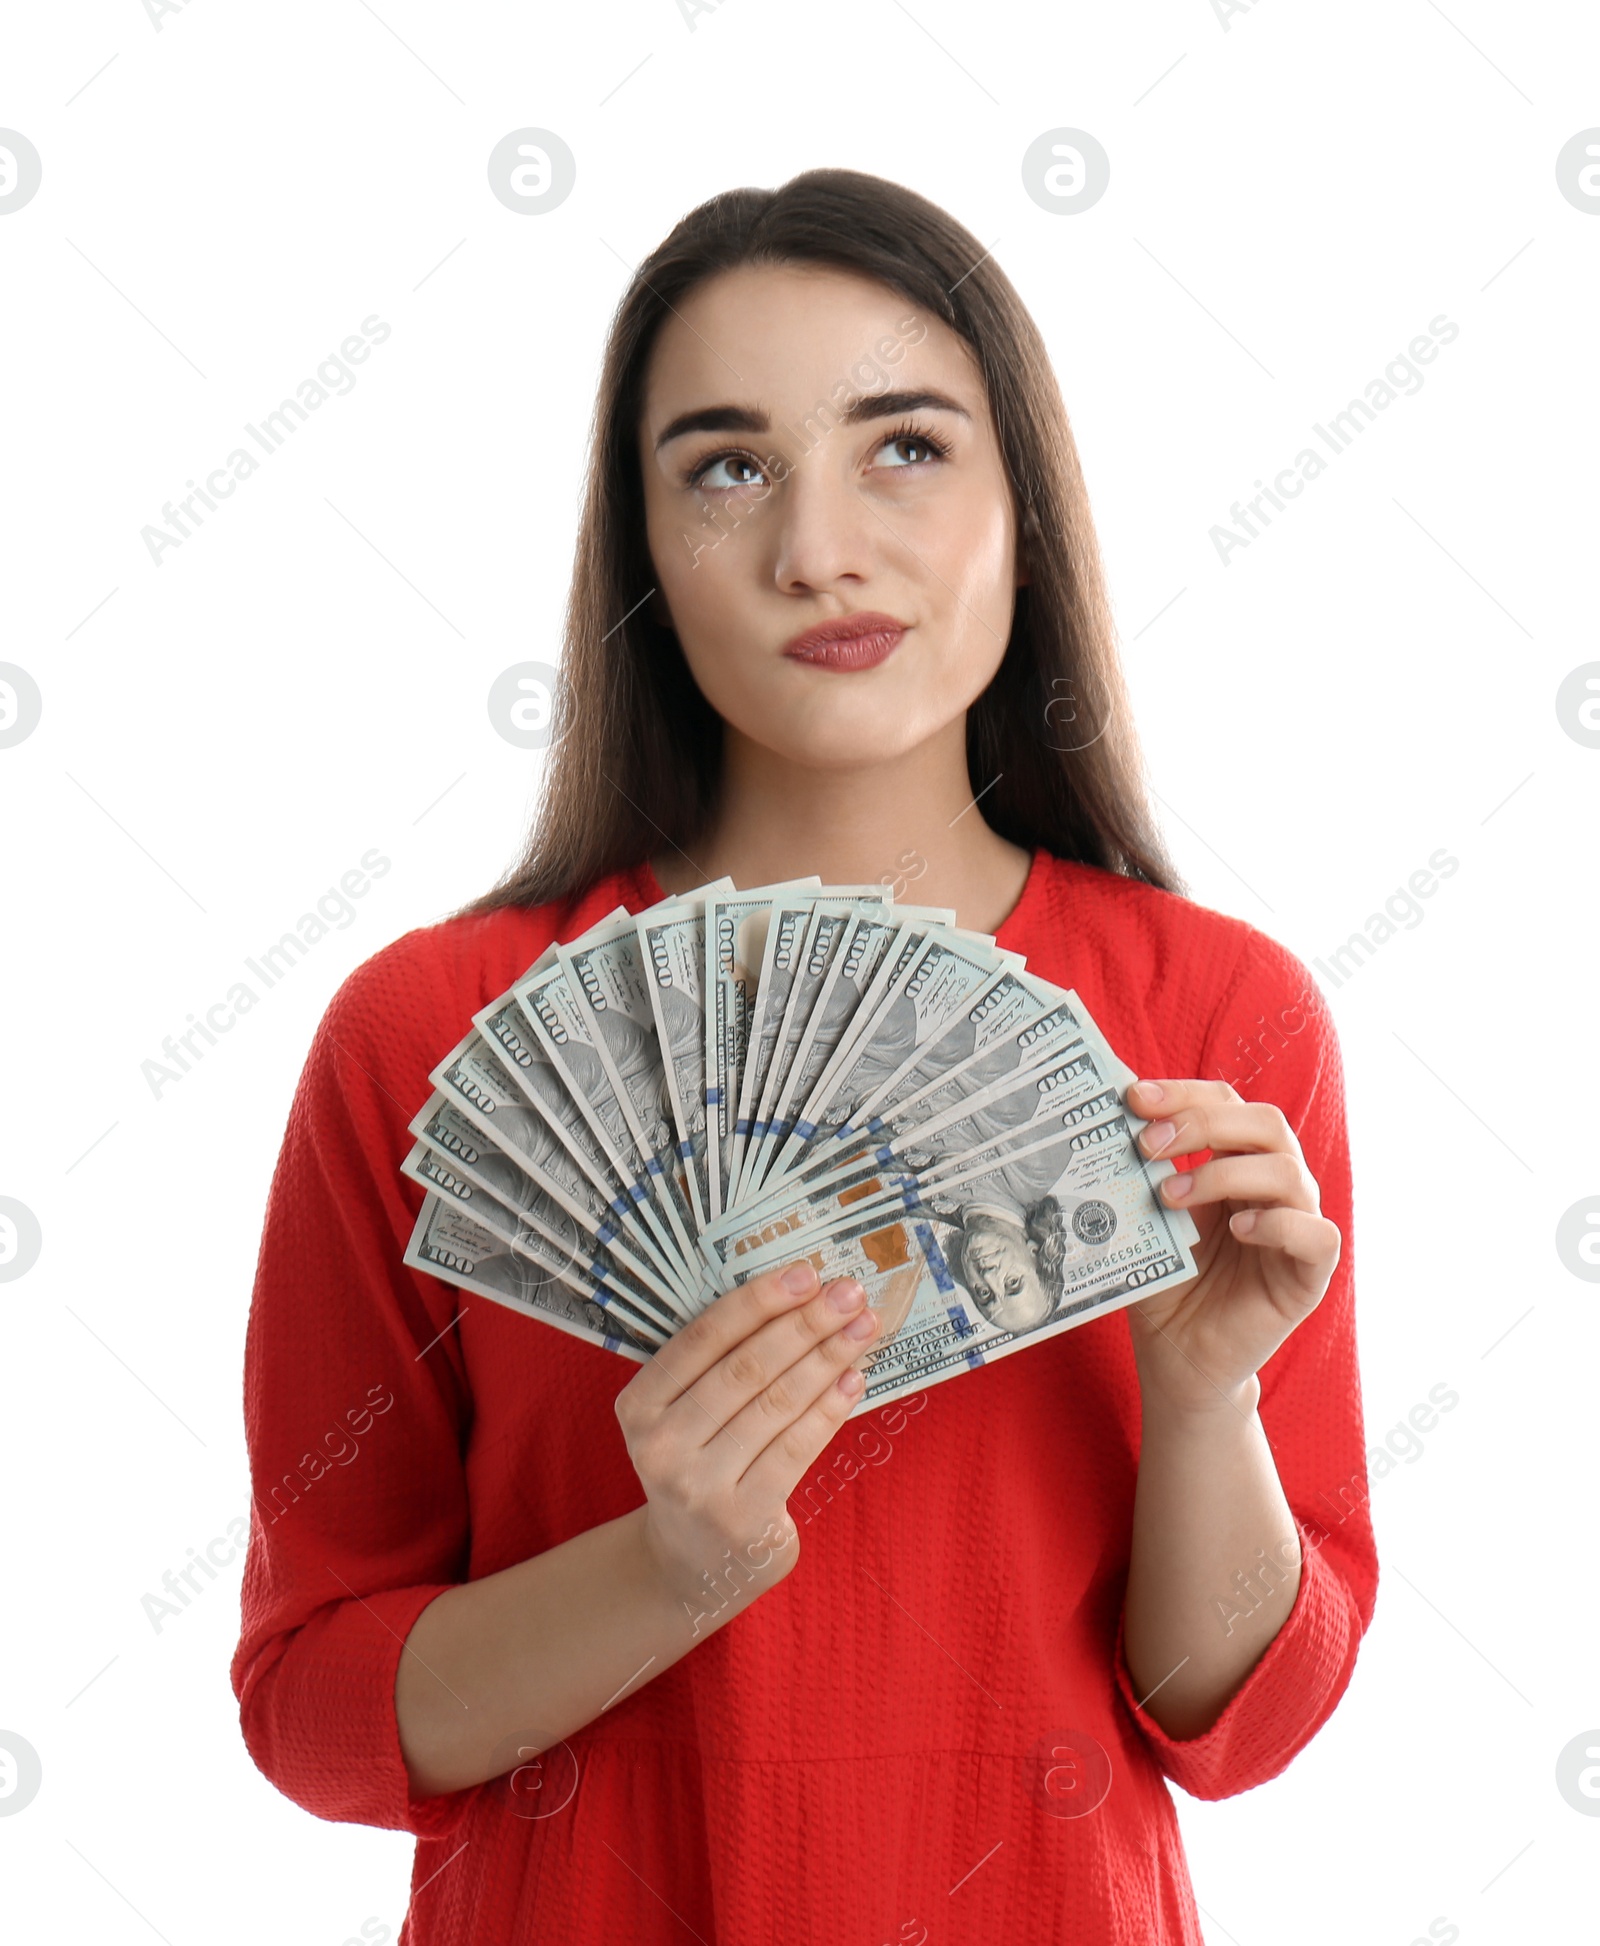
pixel 1294 195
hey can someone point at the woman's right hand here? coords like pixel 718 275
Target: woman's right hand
pixel 725 1418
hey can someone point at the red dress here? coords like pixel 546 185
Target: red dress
pixel 892 1743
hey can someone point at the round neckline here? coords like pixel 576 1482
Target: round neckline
pixel 1032 892
pixel 1017 917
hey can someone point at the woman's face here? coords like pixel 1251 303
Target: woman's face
pixel 1005 1280
pixel 816 492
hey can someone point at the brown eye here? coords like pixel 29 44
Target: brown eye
pixel 920 445
pixel 737 461
pixel 929 448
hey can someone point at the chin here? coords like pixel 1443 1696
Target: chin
pixel 854 747
pixel 1018 1318
pixel 842 731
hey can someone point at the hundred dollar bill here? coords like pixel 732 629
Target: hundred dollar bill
pixel 735 939
pixel 1081 1143
pixel 561 1024
pixel 870 958
pixel 449 1244
pixel 504 1023
pixel 557 1150
pixel 1009 1023
pixel 434 1173
pixel 672 945
pixel 937 987
pixel 607 979
pixel 846 1172
pixel 1002 1256
pixel 1012 1025
pixel 1086 1147
pixel 930 1034
pixel 928 990
pixel 1072 1082
pixel 1073 1099
pixel 807 1014
pixel 841 959
pixel 781 951
pixel 447 1142
pixel 774 1031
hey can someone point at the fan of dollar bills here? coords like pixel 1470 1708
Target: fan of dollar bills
pixel 687 1096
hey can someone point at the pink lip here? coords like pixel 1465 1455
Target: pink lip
pixel 859 641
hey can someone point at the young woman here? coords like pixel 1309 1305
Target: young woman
pixel 970 1636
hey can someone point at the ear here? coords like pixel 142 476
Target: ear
pixel 1028 525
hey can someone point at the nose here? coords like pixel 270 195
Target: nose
pixel 822 532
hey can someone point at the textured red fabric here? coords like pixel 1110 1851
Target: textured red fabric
pixel 855 1758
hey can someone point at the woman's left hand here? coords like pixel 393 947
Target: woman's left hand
pixel 1266 1252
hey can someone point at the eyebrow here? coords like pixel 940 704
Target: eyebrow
pixel 871 405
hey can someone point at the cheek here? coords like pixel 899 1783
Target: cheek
pixel 708 593
pixel 693 546
pixel 970 540
pixel 972 645
pixel 727 676
pixel 973 598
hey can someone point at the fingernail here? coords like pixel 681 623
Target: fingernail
pixel 1179 1186
pixel 1158 1135
pixel 845 1296
pixel 863 1326
pixel 799 1278
pixel 1243 1222
pixel 1149 1092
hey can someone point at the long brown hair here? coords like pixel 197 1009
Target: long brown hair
pixel 635 762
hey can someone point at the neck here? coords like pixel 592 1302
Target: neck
pixel 914 822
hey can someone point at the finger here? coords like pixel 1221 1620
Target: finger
pixel 1310 1240
pixel 1184 1128
pixel 795 1391
pixel 777 1469
pixel 724 1323
pixel 1150 1097
pixel 1274 1179
pixel 747 1370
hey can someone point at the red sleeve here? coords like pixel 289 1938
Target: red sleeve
pixel 355 1407
pixel 1273 1039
